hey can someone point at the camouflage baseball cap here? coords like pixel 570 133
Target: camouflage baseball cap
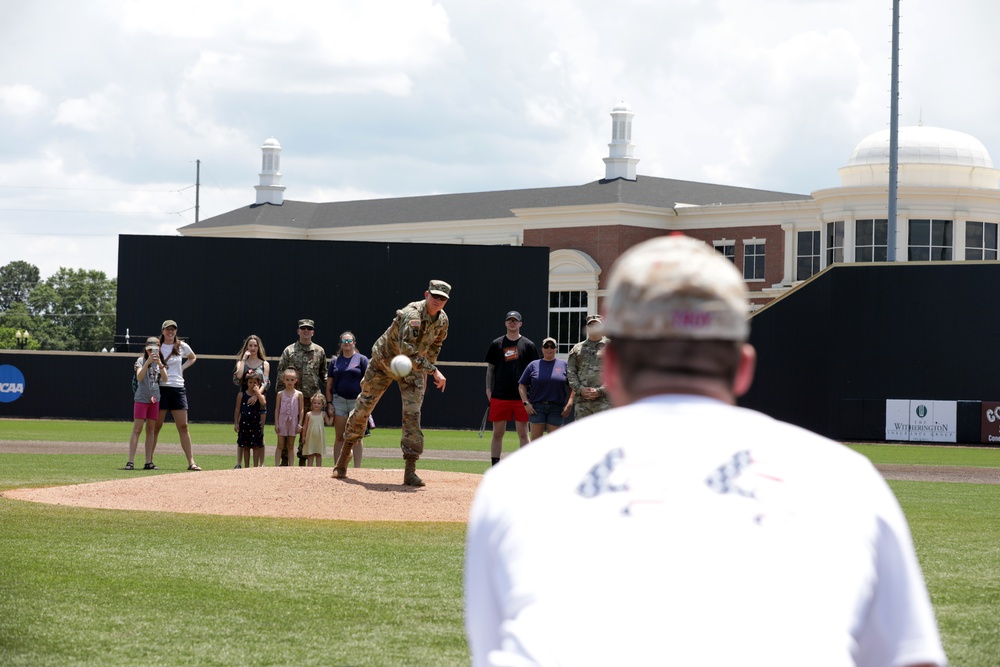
pixel 307 323
pixel 676 287
pixel 594 318
pixel 440 288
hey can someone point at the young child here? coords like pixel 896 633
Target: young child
pixel 313 433
pixel 248 422
pixel 149 372
pixel 288 415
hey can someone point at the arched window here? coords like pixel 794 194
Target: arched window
pixel 573 282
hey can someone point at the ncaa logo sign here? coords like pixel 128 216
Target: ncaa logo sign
pixel 11 384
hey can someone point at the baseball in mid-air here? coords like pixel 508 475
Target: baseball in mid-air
pixel 401 365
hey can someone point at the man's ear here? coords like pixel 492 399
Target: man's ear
pixel 745 371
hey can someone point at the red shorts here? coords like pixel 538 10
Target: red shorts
pixel 146 411
pixel 504 411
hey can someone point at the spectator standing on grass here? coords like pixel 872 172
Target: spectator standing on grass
pixel 149 372
pixel 417 331
pixel 248 422
pixel 545 392
pixel 343 384
pixel 314 431
pixel 251 360
pixel 289 407
pixel 309 360
pixel 177 356
pixel 583 368
pixel 507 357
pixel 681 529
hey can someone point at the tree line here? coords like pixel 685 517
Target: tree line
pixel 73 309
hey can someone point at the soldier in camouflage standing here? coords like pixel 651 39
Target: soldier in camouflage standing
pixel 309 359
pixel 417 331
pixel 583 370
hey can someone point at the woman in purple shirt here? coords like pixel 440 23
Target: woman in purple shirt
pixel 343 384
pixel 545 392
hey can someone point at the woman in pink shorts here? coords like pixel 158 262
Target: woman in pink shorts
pixel 149 372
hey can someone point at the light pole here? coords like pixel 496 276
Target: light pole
pixel 22 338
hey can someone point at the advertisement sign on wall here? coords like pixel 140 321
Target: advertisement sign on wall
pixel 921 421
pixel 11 383
pixel 990 422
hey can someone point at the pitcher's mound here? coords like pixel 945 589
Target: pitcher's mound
pixel 368 494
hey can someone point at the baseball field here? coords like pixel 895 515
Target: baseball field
pixel 276 566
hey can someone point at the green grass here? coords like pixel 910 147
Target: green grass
pixel 980 457
pixel 90 587
pixel 207 434
pixel 99 587
pixel 955 530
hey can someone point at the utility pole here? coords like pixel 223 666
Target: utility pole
pixel 197 189
pixel 893 135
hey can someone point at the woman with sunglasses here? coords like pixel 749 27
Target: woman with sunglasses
pixel 343 384
pixel 545 391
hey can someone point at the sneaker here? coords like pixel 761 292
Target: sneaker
pixel 150 466
pixel 238 466
pixel 129 466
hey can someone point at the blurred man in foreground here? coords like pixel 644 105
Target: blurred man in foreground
pixel 681 529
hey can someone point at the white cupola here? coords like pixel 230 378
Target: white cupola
pixel 270 190
pixel 620 163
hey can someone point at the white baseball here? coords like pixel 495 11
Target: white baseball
pixel 401 365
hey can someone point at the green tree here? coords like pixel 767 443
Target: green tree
pixel 17 279
pixel 17 318
pixel 74 309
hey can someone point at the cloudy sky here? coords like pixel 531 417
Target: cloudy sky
pixel 107 104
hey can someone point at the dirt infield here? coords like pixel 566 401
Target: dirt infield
pixel 369 494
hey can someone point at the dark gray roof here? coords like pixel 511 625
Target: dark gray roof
pixel 644 191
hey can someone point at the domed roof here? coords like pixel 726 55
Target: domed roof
pixel 920 144
pixel 621 106
pixel 271 142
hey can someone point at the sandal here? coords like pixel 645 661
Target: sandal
pixel 150 466
pixel 129 466
pixel 194 466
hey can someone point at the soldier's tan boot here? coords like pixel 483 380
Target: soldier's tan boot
pixel 340 468
pixel 410 474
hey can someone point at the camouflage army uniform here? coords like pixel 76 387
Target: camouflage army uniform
pixel 310 362
pixel 417 335
pixel 583 369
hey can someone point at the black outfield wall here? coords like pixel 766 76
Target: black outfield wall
pixel 96 386
pixel 220 290
pixel 832 351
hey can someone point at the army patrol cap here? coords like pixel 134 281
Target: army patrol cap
pixel 168 323
pixel 440 288
pixel 307 323
pixel 676 287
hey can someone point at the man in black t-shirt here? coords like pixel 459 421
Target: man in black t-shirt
pixel 507 357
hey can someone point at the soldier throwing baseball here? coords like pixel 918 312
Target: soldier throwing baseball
pixel 418 331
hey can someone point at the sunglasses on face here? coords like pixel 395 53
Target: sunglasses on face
pixel 439 298
pixel 548 347
pixel 306 328
pixel 345 341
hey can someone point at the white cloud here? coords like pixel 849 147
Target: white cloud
pixel 399 97
pixel 21 100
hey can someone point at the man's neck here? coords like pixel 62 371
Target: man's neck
pixel 513 336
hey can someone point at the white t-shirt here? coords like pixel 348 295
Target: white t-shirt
pixel 683 531
pixel 175 377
